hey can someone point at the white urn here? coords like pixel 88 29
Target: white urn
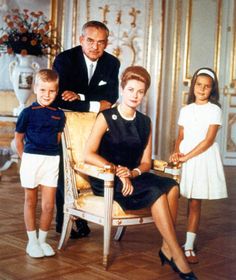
pixel 22 72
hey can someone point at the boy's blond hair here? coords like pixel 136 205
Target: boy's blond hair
pixel 46 75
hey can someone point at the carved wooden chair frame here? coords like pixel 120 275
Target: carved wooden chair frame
pixel 82 203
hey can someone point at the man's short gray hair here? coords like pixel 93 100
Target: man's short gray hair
pixel 96 24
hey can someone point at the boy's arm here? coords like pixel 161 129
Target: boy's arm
pixel 61 126
pixel 19 141
pixel 59 137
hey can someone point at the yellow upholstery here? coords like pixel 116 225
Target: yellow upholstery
pixel 95 205
pixel 159 164
pixel 79 126
pixel 78 137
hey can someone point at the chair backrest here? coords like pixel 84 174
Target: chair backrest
pixel 77 130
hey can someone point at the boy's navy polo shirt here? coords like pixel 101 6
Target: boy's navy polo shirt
pixel 41 126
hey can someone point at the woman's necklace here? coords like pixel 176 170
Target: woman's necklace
pixel 123 116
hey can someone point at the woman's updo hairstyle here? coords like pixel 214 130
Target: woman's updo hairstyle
pixel 135 73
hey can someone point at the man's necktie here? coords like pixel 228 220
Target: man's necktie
pixel 90 72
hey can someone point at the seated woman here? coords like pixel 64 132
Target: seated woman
pixel 122 137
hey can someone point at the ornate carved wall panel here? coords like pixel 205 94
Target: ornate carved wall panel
pixel 136 32
pixel 129 24
pixel 174 13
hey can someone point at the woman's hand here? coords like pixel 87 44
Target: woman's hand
pixel 123 172
pixel 127 186
pixel 124 175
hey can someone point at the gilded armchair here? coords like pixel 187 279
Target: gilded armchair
pixel 80 202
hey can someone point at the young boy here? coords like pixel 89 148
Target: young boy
pixel 37 137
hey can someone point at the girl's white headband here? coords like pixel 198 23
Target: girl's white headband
pixel 206 71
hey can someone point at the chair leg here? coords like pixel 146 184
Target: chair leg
pixel 108 195
pixel 119 233
pixel 106 244
pixel 66 230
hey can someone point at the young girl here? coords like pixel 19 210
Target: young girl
pixel 202 170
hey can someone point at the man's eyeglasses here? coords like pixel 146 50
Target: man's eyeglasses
pixel 91 42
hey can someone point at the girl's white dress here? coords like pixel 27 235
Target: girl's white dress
pixel 203 175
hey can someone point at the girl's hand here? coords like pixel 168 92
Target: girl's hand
pixel 127 186
pixel 183 158
pixel 175 157
pixel 123 172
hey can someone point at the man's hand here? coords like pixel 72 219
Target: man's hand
pixel 68 95
pixel 104 105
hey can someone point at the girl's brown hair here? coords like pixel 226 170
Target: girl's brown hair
pixel 214 96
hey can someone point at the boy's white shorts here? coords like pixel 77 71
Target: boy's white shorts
pixel 39 170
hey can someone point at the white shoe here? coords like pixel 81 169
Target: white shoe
pixel 47 250
pixel 34 251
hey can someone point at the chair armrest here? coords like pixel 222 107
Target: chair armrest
pixel 159 165
pixel 168 168
pixel 94 171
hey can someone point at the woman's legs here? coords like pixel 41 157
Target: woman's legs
pixel 164 222
pixel 172 199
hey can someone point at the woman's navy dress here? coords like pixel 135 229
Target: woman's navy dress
pixel 123 144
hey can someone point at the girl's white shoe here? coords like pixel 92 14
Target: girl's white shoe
pixel 34 250
pixel 47 249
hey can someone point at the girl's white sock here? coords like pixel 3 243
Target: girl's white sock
pixel 190 239
pixel 42 236
pixel 32 236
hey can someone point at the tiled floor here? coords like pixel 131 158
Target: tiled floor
pixel 135 257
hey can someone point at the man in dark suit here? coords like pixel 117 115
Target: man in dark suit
pixel 88 82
